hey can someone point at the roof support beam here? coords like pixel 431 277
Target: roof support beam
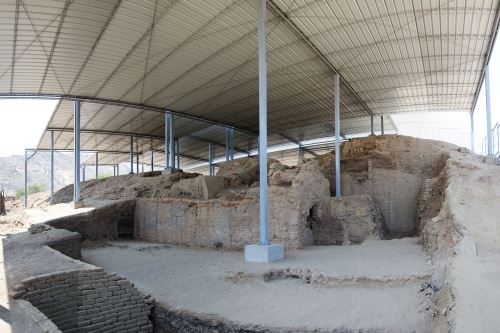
pixel 277 10
pixel 88 99
pixel 297 143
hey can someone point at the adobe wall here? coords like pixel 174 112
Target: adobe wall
pixel 352 220
pixel 231 220
pixel 391 169
pixel 102 222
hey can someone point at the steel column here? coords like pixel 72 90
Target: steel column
pixel 152 157
pixel 114 170
pixel 167 138
pixel 137 155
pixel 131 155
pixel 382 124
pixel 52 167
pixel 489 138
pixel 96 165
pixel 229 144
pixel 338 193
pixel 178 153
pixel 210 167
pixel 263 199
pixel 172 141
pixel 83 172
pixel 76 141
pixel 472 131
pixel 26 159
pixel 372 127
pixel 118 169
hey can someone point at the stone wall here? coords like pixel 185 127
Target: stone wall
pixel 234 223
pixel 88 301
pixel 99 223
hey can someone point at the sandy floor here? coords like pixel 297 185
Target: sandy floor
pixel 375 285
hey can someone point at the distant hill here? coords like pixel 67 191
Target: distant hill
pixel 12 171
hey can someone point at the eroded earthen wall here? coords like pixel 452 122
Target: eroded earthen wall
pixel 99 223
pixel 391 169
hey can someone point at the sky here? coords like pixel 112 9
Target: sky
pixel 23 121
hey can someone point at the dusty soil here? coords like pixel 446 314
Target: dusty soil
pixel 377 286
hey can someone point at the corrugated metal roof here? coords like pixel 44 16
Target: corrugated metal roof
pixel 199 58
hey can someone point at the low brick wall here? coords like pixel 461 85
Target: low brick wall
pixel 88 301
pixel 99 223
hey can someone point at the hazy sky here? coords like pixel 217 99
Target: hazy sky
pixel 22 121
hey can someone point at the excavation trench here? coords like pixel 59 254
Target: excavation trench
pixel 385 197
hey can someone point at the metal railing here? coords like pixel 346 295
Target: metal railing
pixel 495 134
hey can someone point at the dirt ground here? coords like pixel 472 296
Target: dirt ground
pixel 376 286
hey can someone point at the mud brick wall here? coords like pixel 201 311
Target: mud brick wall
pixel 69 245
pixel 88 301
pixel 98 223
pixel 352 220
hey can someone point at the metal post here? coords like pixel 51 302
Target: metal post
pixel 76 141
pixel 167 138
pixel 472 132
pixel 210 169
pixel 114 170
pixel 338 193
pixel 172 142
pixel 137 155
pixel 488 110
pixel 52 167
pixel 96 165
pixel 372 127
pixel 118 169
pixel 152 157
pixel 263 199
pixel 382 124
pixel 25 179
pixel 178 154
pixel 131 155
pixel 83 172
pixel 227 144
